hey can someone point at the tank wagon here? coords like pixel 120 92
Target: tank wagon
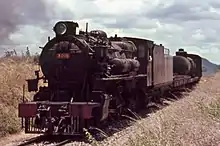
pixel 92 78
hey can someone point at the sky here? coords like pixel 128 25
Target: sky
pixel 192 25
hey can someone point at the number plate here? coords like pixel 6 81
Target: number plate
pixel 63 55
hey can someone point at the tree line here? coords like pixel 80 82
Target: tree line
pixel 27 54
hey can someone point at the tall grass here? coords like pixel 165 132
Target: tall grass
pixel 13 73
pixel 194 120
pixel 191 121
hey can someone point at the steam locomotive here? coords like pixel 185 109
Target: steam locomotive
pixel 92 78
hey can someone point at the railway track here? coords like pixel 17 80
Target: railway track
pixel 31 141
pixel 47 140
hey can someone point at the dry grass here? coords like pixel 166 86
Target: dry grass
pixel 13 72
pixel 191 121
pixel 194 120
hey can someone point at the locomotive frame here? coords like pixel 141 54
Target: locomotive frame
pixel 110 95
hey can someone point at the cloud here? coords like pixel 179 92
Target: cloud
pixel 180 11
pixel 193 25
pixel 199 22
pixel 14 13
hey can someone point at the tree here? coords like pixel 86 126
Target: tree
pixel 10 53
pixel 15 52
pixel 28 54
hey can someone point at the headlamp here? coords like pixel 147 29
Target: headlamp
pixel 60 28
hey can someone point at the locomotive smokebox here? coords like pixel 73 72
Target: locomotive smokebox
pixel 181 65
pixel 63 60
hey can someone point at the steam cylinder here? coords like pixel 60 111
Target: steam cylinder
pixel 181 65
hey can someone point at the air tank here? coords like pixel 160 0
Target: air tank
pixel 181 65
pixel 124 65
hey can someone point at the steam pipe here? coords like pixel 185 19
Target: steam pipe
pixel 86 27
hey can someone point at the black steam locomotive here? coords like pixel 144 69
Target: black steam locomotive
pixel 91 78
